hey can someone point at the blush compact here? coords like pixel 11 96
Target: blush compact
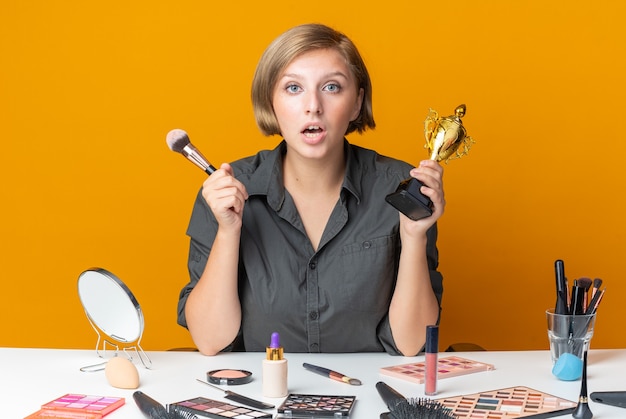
pixel 229 377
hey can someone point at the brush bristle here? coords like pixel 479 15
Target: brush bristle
pixel 420 408
pixel 584 283
pixel 177 140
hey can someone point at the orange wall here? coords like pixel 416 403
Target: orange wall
pixel 88 91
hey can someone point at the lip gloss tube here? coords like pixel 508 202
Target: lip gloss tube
pixel 432 353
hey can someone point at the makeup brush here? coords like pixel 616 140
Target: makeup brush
pixel 585 284
pixel 178 141
pixel 240 398
pixel 561 306
pixel 595 302
pixel 577 305
pixel 582 410
pixel 597 283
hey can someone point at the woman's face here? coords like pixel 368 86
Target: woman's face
pixel 314 100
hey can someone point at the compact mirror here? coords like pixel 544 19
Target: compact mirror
pixel 113 312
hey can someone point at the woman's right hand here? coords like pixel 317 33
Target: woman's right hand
pixel 226 197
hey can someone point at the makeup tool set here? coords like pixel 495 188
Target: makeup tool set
pixel 580 304
pixel 585 296
pixel 294 405
pixel 519 401
pixel 571 323
pixel 583 300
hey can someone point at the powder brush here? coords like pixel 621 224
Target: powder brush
pixel 178 141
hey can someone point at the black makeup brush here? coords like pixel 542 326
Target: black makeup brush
pixel 403 408
pixel 585 284
pixel 597 283
pixel 582 410
pixel 561 306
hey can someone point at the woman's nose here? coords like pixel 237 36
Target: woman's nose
pixel 314 104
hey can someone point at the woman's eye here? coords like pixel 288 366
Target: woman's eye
pixel 292 88
pixel 332 87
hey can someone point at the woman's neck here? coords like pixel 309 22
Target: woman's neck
pixel 314 176
pixel 314 187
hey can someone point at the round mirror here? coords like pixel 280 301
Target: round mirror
pixel 112 310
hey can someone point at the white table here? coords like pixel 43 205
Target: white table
pixel 32 377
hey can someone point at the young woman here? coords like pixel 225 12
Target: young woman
pixel 299 239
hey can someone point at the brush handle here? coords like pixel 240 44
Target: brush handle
pixel 595 301
pixel 390 396
pixel 561 288
pixel 247 401
pixel 577 306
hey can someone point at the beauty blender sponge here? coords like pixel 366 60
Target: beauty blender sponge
pixel 568 367
pixel 122 373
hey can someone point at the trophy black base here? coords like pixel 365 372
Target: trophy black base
pixel 410 201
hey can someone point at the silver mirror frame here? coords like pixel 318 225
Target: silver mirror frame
pixel 116 343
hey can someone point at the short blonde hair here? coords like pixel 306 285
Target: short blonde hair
pixel 291 44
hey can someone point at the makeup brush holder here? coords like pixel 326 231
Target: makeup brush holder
pixel 569 333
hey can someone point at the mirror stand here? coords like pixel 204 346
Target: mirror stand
pixel 117 344
pixel 114 313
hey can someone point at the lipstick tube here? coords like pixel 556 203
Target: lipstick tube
pixel 432 354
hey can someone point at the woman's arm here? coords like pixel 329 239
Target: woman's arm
pixel 414 304
pixel 213 310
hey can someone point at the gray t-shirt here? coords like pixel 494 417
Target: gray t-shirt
pixel 332 300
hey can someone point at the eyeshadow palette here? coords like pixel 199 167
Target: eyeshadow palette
pixel 208 408
pixel 451 366
pixel 79 406
pixel 312 405
pixel 513 402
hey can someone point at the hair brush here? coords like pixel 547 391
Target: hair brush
pixel 419 408
pixel 402 408
pixel 155 410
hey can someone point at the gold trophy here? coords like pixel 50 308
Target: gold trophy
pixel 446 139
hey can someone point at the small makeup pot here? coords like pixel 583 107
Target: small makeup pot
pixel 229 377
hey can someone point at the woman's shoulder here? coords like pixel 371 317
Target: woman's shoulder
pixel 371 160
pixel 262 161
